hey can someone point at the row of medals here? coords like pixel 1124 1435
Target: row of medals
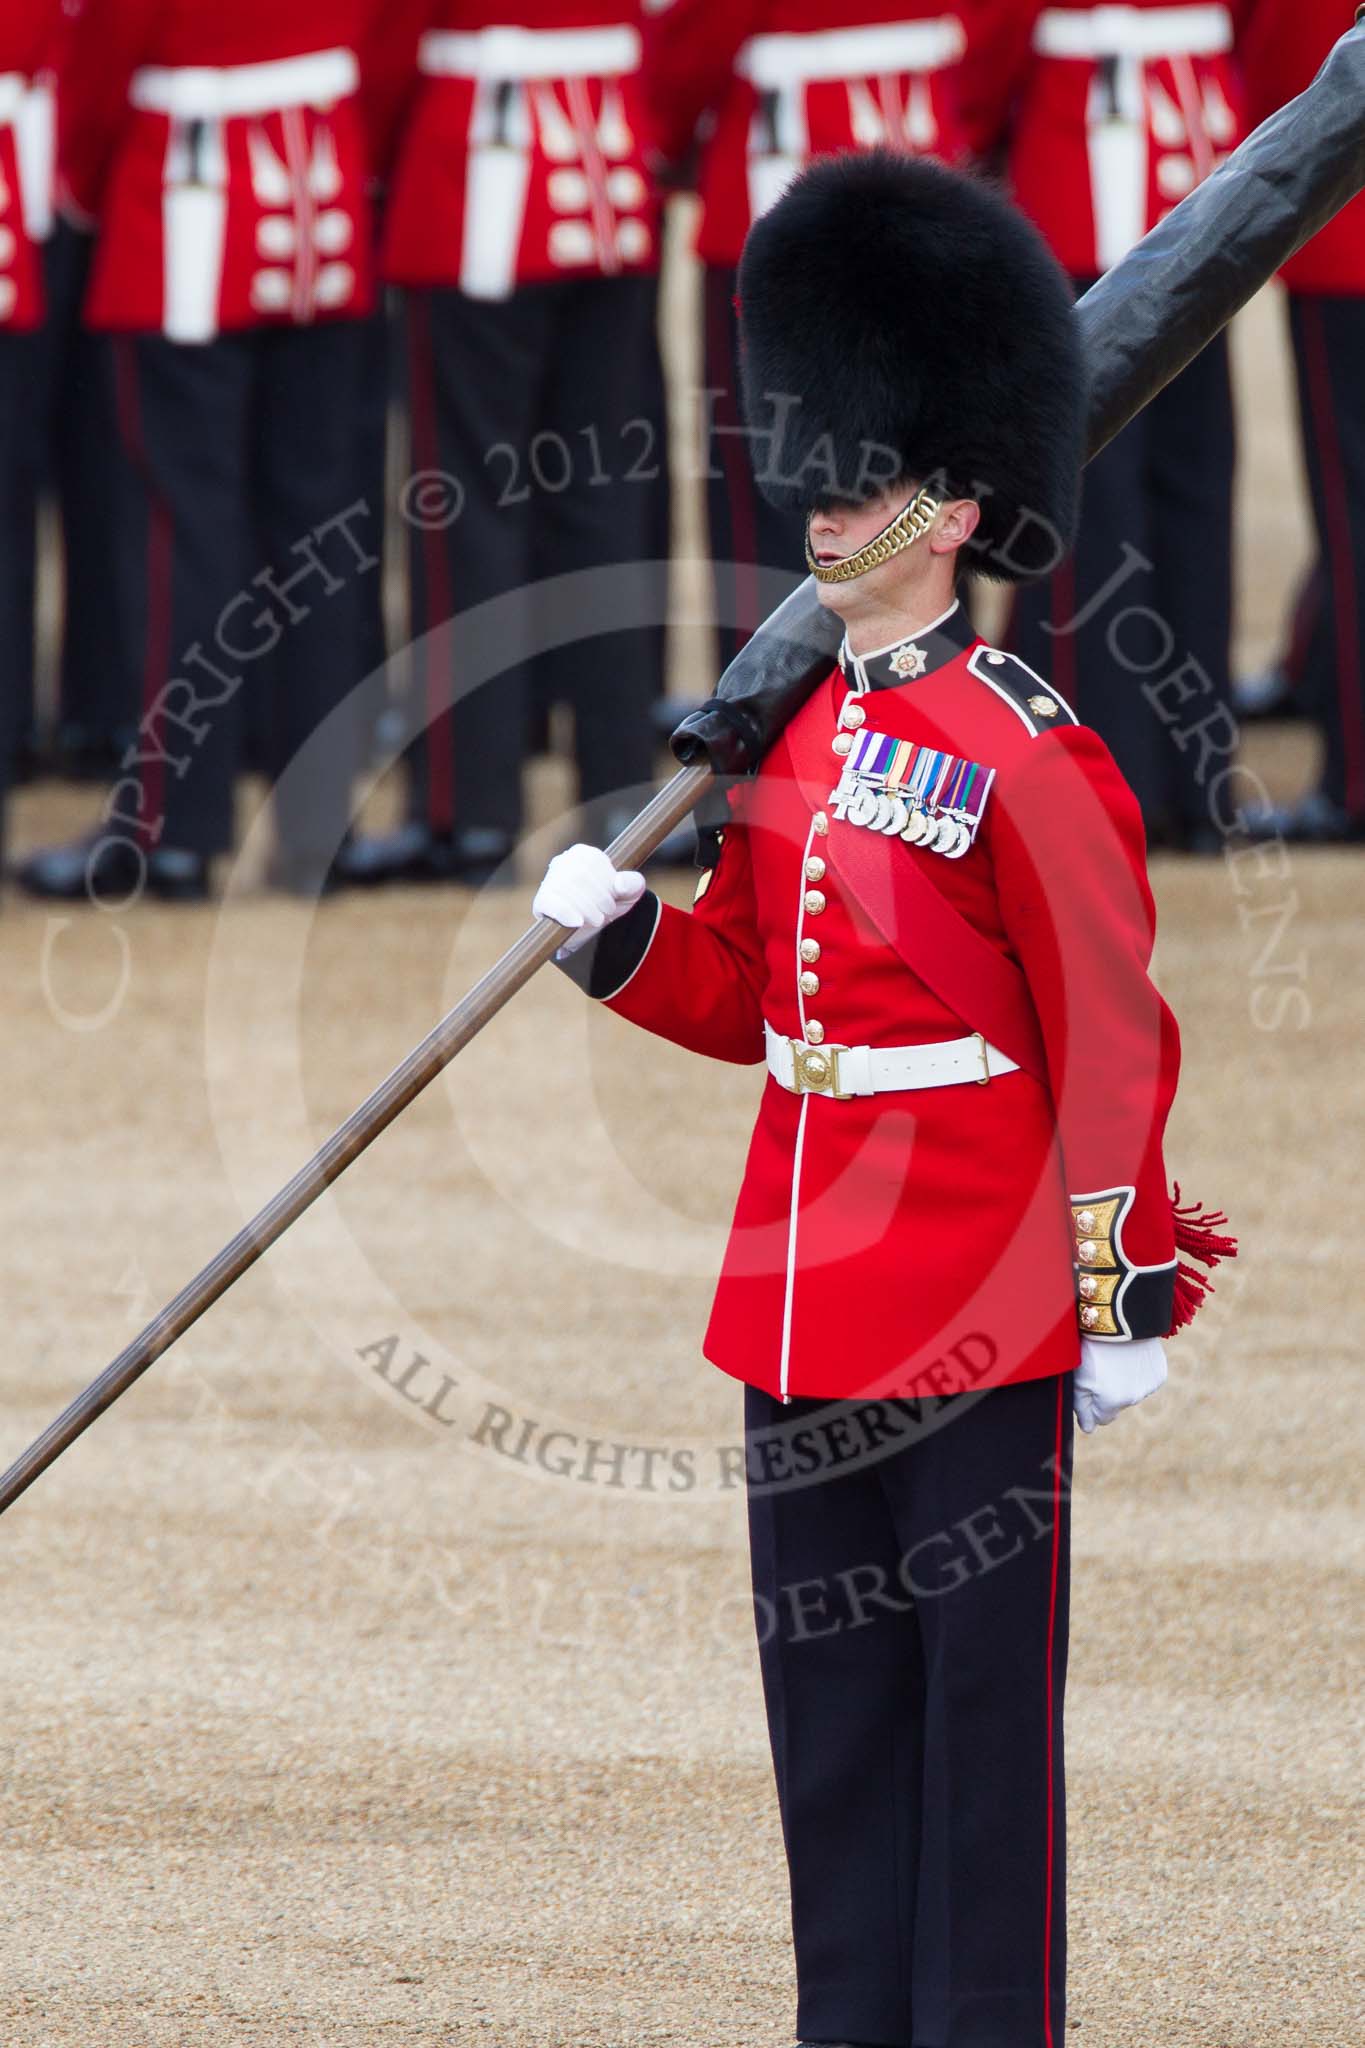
pixel 877 810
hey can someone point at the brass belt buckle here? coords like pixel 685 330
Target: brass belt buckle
pixel 815 1069
pixel 983 1078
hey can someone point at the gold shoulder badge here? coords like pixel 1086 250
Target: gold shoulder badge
pixel 1043 707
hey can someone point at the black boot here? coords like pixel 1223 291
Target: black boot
pixel 475 856
pixel 1315 820
pixel 108 869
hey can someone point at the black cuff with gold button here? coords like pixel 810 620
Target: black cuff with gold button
pixel 1114 1298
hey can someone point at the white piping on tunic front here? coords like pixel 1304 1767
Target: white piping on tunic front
pixel 791 1245
pixel 800 1133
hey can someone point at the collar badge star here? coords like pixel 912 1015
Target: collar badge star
pixel 1043 707
pixel 909 661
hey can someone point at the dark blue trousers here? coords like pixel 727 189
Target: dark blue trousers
pixel 20 363
pixel 1328 335
pixel 541 415
pixel 242 459
pixel 911 1573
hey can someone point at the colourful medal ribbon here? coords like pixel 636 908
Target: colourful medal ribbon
pixel 920 775
pixel 900 762
pixel 937 798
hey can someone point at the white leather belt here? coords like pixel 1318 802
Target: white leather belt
pixel 844 1070
pixel 498 53
pixel 1150 32
pixel 199 92
pixel 772 61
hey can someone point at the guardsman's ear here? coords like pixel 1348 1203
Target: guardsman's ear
pixel 957 521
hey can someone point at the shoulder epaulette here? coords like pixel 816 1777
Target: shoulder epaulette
pixel 1034 703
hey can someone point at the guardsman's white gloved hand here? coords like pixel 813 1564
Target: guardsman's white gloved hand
pixel 584 891
pixel 1112 1377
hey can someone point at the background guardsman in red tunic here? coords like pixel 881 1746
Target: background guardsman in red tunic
pixel 929 914
pixel 220 158
pixel 27 35
pixel 524 224
pixel 742 97
pixel 1107 116
pixel 1283 48
pixel 28 32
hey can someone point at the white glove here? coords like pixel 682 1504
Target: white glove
pixel 1112 1377
pixel 584 891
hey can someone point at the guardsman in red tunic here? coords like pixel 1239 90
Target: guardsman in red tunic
pixel 220 157
pixel 1108 116
pixel 27 32
pixel 1326 284
pixel 929 916
pixel 524 224
pixel 742 97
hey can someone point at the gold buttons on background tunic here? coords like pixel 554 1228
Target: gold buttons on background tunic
pixel 809 983
pixel 842 742
pixel 1087 1251
pixel 1086 1220
pixel 815 869
pixel 852 714
pixel 821 824
pixel 814 1032
pixel 810 951
pixel 814 901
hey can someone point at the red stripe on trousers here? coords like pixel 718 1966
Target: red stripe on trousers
pixel 439 745
pixel 734 460
pixel 156 653
pixel 1051 1857
pixel 1345 600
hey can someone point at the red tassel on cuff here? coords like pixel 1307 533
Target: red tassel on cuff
pixel 1197 1233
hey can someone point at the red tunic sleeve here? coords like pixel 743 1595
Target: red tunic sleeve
pixel 107 43
pixel 689 48
pixel 693 977
pixel 388 70
pixel 1070 867
pixel 994 66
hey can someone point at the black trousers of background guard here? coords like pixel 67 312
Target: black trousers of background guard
pixel 546 409
pixel 95 692
pixel 20 362
pixel 240 450
pixel 912 1617
pixel 748 536
pixel 1163 487
pixel 1329 351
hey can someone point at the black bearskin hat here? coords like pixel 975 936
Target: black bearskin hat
pixel 901 321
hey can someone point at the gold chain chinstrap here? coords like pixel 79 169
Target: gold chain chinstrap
pixel 906 528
